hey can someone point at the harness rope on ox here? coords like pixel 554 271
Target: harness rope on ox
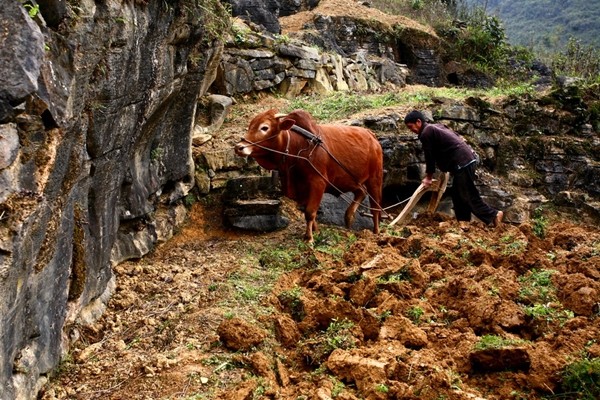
pixel 317 141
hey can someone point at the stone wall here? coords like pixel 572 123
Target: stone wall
pixel 255 60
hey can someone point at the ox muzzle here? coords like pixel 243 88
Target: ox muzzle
pixel 242 148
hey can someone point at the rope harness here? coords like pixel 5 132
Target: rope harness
pixel 318 142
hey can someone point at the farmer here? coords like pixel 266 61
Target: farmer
pixel 450 152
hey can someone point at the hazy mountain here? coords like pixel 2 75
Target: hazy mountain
pixel 547 25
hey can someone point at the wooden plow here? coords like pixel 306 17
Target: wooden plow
pixel 438 187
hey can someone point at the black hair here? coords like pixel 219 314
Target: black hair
pixel 413 116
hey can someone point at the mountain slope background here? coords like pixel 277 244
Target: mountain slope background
pixel 546 25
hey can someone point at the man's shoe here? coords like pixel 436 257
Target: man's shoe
pixel 498 220
pixel 464 225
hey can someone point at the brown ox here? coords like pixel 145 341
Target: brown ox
pixel 337 160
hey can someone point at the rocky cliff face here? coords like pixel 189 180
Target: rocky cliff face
pixel 96 107
pixel 99 107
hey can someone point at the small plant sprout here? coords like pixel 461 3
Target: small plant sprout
pixel 540 223
pixel 382 388
pixel 415 313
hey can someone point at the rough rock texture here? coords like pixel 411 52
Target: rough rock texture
pixel 266 13
pixel 96 107
pixel 99 106
pixel 255 60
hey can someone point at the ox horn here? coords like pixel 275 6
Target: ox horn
pixel 280 115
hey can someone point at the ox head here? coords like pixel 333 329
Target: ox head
pixel 263 134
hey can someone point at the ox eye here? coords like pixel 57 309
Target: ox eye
pixel 264 128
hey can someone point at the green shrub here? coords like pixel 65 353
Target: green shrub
pixel 581 379
pixel 546 313
pixel 578 60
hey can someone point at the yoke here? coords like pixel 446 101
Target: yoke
pixel 307 134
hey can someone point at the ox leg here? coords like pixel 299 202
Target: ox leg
pixel 376 211
pixel 310 212
pixel 350 215
pixel 374 189
pixel 310 228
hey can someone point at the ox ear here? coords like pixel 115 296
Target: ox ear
pixel 286 124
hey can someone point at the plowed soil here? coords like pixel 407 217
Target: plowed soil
pixel 216 313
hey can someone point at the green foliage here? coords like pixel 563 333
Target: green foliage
pixel 540 223
pixel 503 38
pixel 581 379
pixel 331 241
pixel 511 88
pixel 240 35
pixel 282 39
pixel 547 313
pixel 415 313
pixel 487 342
pixel 291 297
pixel 482 42
pixel 338 387
pixel 399 276
pixel 512 246
pixel 537 287
pixel 32 9
pixel 429 12
pixel 384 315
pixel 382 388
pixel 250 286
pixel 327 238
pixel 190 199
pixel 578 60
pixel 546 25
pixel 471 34
pixel 338 335
pixel 157 154
pixel 215 15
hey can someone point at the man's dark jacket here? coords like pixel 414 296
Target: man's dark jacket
pixel 444 147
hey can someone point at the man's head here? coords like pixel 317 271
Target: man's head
pixel 414 121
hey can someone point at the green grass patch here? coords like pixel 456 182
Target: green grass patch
pixel 537 287
pixel 331 241
pixel 512 246
pixel 282 259
pixel 340 105
pixel 539 223
pixel 487 342
pixel 548 313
